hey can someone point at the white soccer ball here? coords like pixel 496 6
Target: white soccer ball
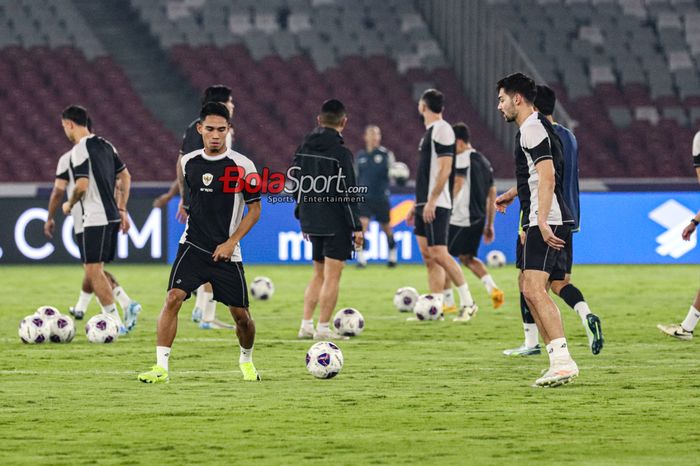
pixel 262 288
pixel 495 258
pixel 405 299
pixel 428 307
pixel 349 322
pixel 324 360
pixel 399 171
pixel 34 329
pixel 48 313
pixel 102 328
pixel 62 329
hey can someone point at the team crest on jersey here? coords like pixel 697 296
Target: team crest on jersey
pixel 378 158
pixel 207 178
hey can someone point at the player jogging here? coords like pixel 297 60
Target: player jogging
pixel 546 221
pixel 431 213
pixel 372 165
pixel 204 311
pixel 561 285
pixel 96 167
pixel 332 226
pixel 209 248
pixel 473 212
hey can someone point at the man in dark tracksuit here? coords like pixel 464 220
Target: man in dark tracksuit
pixel 330 219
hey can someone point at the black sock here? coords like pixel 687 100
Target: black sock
pixel 571 295
pixel 525 311
pixel 391 241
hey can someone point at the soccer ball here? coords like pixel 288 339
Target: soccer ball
pixel 428 307
pixel 34 329
pixel 48 313
pixel 399 172
pixel 262 288
pixel 324 360
pixel 405 299
pixel 495 258
pixel 62 329
pixel 102 329
pixel 349 322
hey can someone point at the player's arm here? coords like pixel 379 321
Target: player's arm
pixel 123 192
pixel 57 193
pixel 81 187
pixel 545 194
pixel 224 251
pixel 162 200
pixel 445 168
pixel 504 200
pixel 461 171
pixel 489 232
pixel 459 183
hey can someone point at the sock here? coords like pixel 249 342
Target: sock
pixel 111 309
pixel 691 320
pixel 246 355
pixel 121 296
pixel 201 299
pixel 83 301
pixel 582 310
pixel 558 351
pixel 162 356
pixel 209 309
pixel 323 327
pixel 448 297
pixel 525 311
pixel 488 282
pixel 391 241
pixel 361 256
pixel 305 324
pixel 440 298
pixel 531 335
pixel 465 297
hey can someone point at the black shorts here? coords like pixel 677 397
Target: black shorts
pixel 98 244
pixel 568 257
pixel 380 209
pixel 338 246
pixel 436 232
pixel 518 252
pixel 465 240
pixel 537 255
pixel 194 267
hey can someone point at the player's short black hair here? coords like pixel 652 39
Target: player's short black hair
pixel 545 100
pixel 520 84
pixel 434 100
pixel 332 112
pixel 462 131
pixel 216 93
pixel 214 108
pixel 77 115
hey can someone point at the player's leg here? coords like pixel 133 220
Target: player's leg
pixel 130 307
pixel 467 306
pixel 383 215
pixel 684 330
pixel 208 318
pixel 531 344
pixel 478 268
pixel 573 297
pixel 448 298
pixel 78 311
pixel 361 255
pixel 328 298
pixel 311 295
pixel 245 329
pixel 101 286
pixel 436 274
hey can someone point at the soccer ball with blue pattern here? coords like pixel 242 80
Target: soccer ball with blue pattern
pixel 324 360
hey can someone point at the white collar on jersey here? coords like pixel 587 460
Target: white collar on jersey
pixel 214 158
pixel 533 116
pixel 433 123
pixel 86 137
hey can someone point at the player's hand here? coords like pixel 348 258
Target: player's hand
pixel 429 212
pixel 522 236
pixel 358 238
pixel 489 234
pixel 411 216
pixel 181 214
pixel 66 208
pixel 161 201
pixel 48 228
pixel 550 238
pixel 224 251
pixel 124 223
pixel 503 201
pixel 687 231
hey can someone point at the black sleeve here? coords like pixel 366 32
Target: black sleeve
pixel 461 172
pixel 119 166
pixel 541 151
pixel 352 213
pixel 63 175
pixel 696 161
pixel 444 151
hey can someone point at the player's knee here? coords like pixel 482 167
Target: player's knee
pixel 174 300
pixel 466 259
pixel 242 318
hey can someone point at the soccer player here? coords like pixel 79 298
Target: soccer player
pixel 473 212
pixel 332 225
pixel 96 167
pixel 63 185
pixel 561 285
pixel 431 213
pixel 204 310
pixel 209 248
pixel 696 154
pixel 372 166
pixel 546 221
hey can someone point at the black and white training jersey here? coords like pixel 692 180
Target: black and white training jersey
pixel 696 150
pixel 214 214
pixel 96 159
pixel 438 141
pixel 536 141
pixel 64 172
pixel 469 205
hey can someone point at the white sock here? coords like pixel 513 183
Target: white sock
pixel 361 256
pixel 691 320
pixel 448 297
pixel 465 297
pixel 323 327
pixel 121 297
pixel 488 282
pixel 209 309
pixel 83 301
pixel 582 310
pixel 162 356
pixel 558 351
pixel 246 355
pixel 111 309
pixel 531 335
pixel 201 301
pixel 307 324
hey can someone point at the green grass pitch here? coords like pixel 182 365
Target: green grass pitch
pixel 410 393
